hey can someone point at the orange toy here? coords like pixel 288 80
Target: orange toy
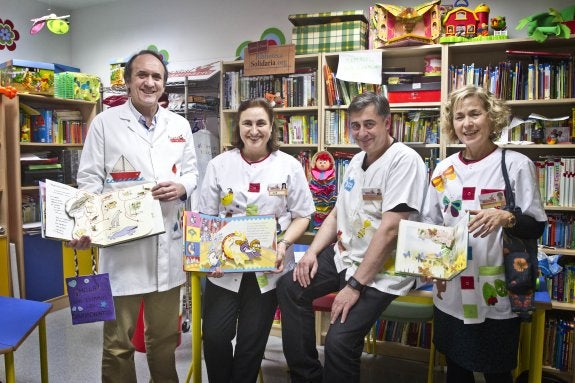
pixel 9 91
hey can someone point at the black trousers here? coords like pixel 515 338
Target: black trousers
pixel 246 315
pixel 344 341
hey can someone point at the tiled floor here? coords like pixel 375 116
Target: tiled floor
pixel 74 356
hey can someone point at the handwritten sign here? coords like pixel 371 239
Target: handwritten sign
pixel 263 59
pixel 363 66
pixel 90 298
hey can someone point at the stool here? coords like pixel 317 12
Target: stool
pixel 19 318
pixel 321 305
pixel 409 309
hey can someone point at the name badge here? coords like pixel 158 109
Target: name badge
pixel 278 189
pixel 371 194
pixel 494 199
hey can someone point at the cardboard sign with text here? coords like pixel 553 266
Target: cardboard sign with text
pixel 261 58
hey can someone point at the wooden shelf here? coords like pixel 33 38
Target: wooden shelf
pixel 563 306
pixel 548 250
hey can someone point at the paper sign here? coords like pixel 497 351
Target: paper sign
pixel 364 66
pixel 263 59
pixel 90 298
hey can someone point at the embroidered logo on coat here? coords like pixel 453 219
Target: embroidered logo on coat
pixel 179 138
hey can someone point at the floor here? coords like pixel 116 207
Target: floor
pixel 74 356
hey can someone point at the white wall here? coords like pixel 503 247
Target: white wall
pixel 191 31
pixel 44 46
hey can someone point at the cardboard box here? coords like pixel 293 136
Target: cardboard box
pixel 416 92
pixel 329 31
pixel 77 86
pixel 28 76
pixel 59 68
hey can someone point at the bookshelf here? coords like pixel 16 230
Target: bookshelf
pixel 5 280
pixel 299 117
pixel 42 264
pixel 481 54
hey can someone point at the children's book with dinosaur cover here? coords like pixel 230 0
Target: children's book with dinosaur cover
pixel 235 244
pixel 108 219
pixel 433 251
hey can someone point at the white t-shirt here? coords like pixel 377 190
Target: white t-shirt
pixel 397 177
pixel 234 187
pixel 482 296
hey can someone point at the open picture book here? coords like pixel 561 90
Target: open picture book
pixel 108 219
pixel 234 244
pixel 433 251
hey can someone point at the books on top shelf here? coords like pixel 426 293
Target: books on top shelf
pixel 433 251
pixel 108 219
pixel 234 244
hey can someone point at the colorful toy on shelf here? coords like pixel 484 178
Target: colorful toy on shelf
pixel 461 24
pixel 499 25
pixel 462 21
pixel 394 25
pixel 9 91
pixel 552 23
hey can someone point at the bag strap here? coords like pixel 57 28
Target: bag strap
pixel 77 269
pixel 509 195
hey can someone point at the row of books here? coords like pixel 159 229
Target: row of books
pixel 559 343
pixel 517 80
pixel 298 89
pixel 341 92
pixel 416 127
pixel 297 129
pixel 559 231
pixel 337 130
pixel 58 126
pixel 561 286
pixel 416 334
pixel 556 178
pixel 60 166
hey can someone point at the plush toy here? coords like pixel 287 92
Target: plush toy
pixel 274 99
pixel 549 23
pixel 323 186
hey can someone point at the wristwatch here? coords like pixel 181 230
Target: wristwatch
pixel 354 284
pixel 511 221
pixel 286 243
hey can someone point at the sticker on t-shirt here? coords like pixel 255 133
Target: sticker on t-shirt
pixel 440 181
pixel 492 199
pixel 371 194
pixel 254 187
pixel 348 184
pixel 454 206
pixel 278 189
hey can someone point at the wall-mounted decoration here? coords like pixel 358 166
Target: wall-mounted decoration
pixel 273 35
pixel 56 24
pixel 8 35
pixel 164 53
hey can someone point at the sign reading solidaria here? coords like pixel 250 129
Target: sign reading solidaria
pixel 261 58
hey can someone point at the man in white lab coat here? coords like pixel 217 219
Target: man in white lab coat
pixel 135 143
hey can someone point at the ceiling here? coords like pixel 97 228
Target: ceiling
pixel 74 4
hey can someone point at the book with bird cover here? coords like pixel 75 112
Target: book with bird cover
pixel 230 244
pixel 110 218
pixel 432 251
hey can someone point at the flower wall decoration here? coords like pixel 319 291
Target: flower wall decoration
pixel 8 35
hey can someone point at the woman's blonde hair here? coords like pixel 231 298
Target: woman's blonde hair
pixel 498 112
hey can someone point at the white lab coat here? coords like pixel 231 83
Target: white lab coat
pixel 153 263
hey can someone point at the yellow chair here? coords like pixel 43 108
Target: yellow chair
pixel 408 309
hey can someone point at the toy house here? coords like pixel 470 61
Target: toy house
pixel 464 22
pixel 392 25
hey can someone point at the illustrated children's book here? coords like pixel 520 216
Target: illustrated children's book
pixel 108 219
pixel 234 244
pixel 433 251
